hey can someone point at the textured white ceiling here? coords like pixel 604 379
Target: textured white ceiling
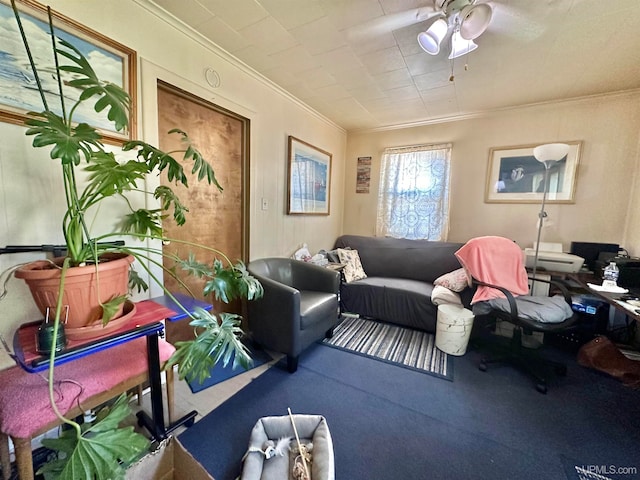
pixel 358 62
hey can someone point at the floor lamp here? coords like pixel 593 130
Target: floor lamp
pixel 546 154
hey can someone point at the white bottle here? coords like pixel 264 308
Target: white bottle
pixel 610 275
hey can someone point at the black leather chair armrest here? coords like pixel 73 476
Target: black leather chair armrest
pixel 280 303
pixel 277 291
pixel 560 285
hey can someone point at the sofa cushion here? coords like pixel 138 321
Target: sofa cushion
pixel 352 267
pixel 396 300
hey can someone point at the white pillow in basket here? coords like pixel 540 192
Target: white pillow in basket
pixel 457 280
pixel 353 268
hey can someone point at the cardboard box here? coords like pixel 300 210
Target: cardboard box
pixel 170 461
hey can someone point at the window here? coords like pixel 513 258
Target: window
pixel 413 201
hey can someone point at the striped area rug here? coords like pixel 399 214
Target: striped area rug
pixel 400 346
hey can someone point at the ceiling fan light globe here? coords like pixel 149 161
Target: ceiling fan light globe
pixel 551 152
pixel 431 39
pixel 428 43
pixel 460 46
pixel 474 20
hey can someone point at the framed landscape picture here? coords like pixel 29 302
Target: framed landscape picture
pixel 515 176
pixel 309 179
pixel 112 61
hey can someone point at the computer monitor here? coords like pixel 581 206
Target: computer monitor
pixel 591 250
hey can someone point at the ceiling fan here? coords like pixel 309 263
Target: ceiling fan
pixel 463 20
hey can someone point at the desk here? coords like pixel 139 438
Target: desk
pixel 613 299
pixel 145 323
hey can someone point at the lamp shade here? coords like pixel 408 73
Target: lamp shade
pixel 551 152
pixel 460 46
pixel 431 39
pixel 474 20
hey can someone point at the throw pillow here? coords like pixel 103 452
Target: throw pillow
pixel 443 296
pixel 353 268
pixel 457 280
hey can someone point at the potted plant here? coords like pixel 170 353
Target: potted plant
pixel 78 145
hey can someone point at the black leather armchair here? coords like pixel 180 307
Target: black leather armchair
pixel 299 305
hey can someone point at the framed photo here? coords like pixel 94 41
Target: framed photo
pixel 515 176
pixel 363 177
pixel 112 61
pixel 309 179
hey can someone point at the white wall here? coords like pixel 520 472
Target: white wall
pixel 165 52
pixel 606 199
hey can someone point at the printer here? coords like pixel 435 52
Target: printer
pixel 552 259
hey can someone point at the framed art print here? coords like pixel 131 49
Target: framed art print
pixel 112 61
pixel 309 179
pixel 515 176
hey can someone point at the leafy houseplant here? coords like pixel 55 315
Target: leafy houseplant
pixel 80 146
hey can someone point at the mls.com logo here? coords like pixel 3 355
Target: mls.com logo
pixel 600 472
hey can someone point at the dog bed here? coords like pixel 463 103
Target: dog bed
pixel 273 448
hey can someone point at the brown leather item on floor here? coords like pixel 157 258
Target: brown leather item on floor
pixel 601 354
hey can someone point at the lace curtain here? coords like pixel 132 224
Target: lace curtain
pixel 413 200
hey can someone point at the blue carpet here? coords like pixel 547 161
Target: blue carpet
pixel 394 423
pixel 220 373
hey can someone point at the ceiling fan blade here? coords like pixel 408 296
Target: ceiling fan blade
pixel 391 22
pixel 514 22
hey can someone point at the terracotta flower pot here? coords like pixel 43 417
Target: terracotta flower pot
pixel 80 288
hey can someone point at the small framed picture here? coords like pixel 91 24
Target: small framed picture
pixel 309 179
pixel 515 176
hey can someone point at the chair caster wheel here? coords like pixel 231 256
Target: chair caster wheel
pixel 542 388
pixel 482 367
pixel 561 370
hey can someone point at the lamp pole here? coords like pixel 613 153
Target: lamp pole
pixel 541 216
pixel 545 154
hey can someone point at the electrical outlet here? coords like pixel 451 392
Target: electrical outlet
pixel 265 204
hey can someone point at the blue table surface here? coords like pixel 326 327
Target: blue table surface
pixel 187 302
pixel 41 363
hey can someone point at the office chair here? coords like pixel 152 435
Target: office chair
pixel 496 267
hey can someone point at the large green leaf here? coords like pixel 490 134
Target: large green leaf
pixel 136 282
pixel 168 198
pixel 109 177
pixel 156 158
pixel 110 308
pixel 216 342
pixel 69 143
pixel 110 96
pixel 101 450
pixel 229 283
pixel 196 268
pixel 143 222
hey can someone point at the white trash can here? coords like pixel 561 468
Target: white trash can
pixel 453 329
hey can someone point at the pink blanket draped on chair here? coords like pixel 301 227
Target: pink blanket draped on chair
pixel 494 260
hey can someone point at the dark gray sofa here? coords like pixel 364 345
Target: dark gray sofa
pixel 400 275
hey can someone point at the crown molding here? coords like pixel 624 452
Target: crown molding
pixel 487 113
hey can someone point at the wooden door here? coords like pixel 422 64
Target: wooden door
pixel 215 219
